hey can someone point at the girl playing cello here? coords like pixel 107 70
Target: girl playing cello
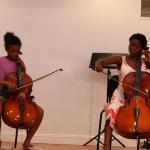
pixel 8 65
pixel 125 65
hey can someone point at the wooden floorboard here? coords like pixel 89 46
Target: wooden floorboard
pixel 41 146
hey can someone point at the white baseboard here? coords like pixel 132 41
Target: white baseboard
pixel 63 139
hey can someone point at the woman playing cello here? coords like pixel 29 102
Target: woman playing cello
pixel 8 65
pixel 125 65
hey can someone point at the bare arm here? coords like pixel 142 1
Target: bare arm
pixel 111 60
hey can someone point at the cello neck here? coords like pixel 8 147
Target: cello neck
pixel 138 73
pixel 19 75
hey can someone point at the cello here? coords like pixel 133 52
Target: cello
pixel 132 120
pixel 20 112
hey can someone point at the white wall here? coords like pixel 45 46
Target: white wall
pixel 63 34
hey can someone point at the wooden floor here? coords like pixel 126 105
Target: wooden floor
pixel 41 146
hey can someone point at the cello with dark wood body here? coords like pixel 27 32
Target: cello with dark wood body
pixel 133 119
pixel 20 112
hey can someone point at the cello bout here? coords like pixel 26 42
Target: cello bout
pixel 126 124
pixel 20 112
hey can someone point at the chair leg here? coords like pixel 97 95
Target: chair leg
pixel 16 137
pixel 138 143
pixel 147 144
pixel 99 130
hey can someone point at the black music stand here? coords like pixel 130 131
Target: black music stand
pixel 94 57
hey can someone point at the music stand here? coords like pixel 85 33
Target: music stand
pixel 94 57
